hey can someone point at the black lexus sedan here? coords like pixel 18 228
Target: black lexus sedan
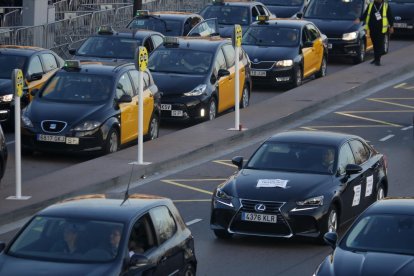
pixel 299 183
pixel 285 8
pixel 380 242
pixel 403 12
pixel 100 235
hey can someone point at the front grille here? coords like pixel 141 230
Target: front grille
pixel 53 126
pixel 265 65
pixel 271 207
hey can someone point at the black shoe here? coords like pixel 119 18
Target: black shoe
pixel 378 63
pixel 373 61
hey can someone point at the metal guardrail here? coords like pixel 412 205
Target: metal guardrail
pixel 122 16
pixel 176 5
pixel 12 18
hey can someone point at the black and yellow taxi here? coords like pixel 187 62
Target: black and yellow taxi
pixel 90 107
pixel 335 18
pixel 109 45
pixel 197 77
pixel 229 13
pixel 168 23
pixel 37 64
pixel 284 52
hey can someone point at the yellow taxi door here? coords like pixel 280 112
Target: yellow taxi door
pixel 307 52
pixel 369 45
pixel 317 46
pixel 227 97
pixel 129 111
pixel 224 83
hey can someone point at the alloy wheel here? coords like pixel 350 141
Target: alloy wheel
pixel 212 110
pixel 332 221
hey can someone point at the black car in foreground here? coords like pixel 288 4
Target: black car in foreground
pixel 403 12
pixel 99 235
pixel 299 183
pixel 380 242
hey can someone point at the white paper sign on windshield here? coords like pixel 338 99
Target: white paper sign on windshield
pixel 271 183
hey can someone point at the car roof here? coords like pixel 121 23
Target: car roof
pixel 392 205
pixel 313 137
pixel 20 50
pixel 283 23
pixel 174 15
pixel 101 68
pixel 201 43
pixel 104 207
pixel 236 3
pixel 130 33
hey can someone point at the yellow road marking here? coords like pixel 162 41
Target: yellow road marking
pixel 400 85
pixel 187 187
pixel 224 162
pixel 404 86
pixel 380 111
pixel 367 119
pixel 382 100
pixel 192 200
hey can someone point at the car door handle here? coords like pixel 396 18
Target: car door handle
pixel 163 260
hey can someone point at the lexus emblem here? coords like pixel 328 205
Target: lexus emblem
pixel 52 126
pixel 255 60
pixel 260 207
pixel 398 18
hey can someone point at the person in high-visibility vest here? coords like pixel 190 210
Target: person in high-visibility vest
pixel 379 21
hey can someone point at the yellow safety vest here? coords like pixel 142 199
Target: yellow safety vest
pixel 385 23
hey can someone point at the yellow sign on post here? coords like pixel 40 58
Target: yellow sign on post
pixel 18 83
pixel 238 33
pixel 142 58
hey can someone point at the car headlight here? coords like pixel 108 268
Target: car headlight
pixel 86 126
pixel 26 121
pixel 350 36
pixel 223 198
pixel 313 201
pixel 284 63
pixel 198 91
pixel 7 98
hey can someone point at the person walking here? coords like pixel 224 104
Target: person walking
pixel 379 21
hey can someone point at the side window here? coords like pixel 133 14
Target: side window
pixel 134 76
pixel 305 35
pixel 148 45
pixel 345 157
pixel 49 61
pixel 146 80
pixel 142 236
pixel 261 10
pixel 313 32
pixel 229 54
pixel 361 153
pixel 255 13
pixel 157 40
pixel 35 66
pixel 164 223
pixel 220 61
pixel 124 86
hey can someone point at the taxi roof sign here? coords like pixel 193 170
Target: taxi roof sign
pixel 105 30
pixel 170 40
pixel 72 65
pixel 218 2
pixel 262 18
pixel 142 13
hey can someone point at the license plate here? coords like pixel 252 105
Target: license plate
pixel 258 73
pixel 400 25
pixel 329 45
pixel 51 138
pixel 177 113
pixel 259 217
pixel 72 140
pixel 165 107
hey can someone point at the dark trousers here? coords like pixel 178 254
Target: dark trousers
pixel 378 39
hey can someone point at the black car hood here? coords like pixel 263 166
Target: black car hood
pixel 39 110
pixel 227 30
pixel 263 53
pixel 299 186
pixel 19 267
pixel 403 10
pixel 105 60
pixel 367 263
pixel 334 28
pixel 5 87
pixel 177 84
pixel 284 11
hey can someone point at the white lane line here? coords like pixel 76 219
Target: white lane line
pixel 387 137
pixel 9 143
pixel 407 128
pixel 193 222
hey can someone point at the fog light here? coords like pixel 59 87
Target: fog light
pixel 202 112
pixel 283 79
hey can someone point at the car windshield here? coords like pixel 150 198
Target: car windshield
pixel 334 9
pixel 294 157
pixel 181 61
pixel 10 62
pixel 282 2
pixel 227 15
pixel 78 88
pixel 154 23
pixel 109 47
pixel 271 36
pixel 381 233
pixel 58 239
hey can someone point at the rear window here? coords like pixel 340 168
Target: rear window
pixel 227 15
pixel 166 27
pixel 109 47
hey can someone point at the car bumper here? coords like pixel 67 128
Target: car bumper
pixel 404 27
pixel 290 221
pixel 184 108
pixel 6 111
pixel 273 76
pixel 339 47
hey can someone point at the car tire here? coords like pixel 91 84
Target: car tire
pixel 361 53
pixel 153 129
pixel 189 270
pixel 245 99
pixel 298 77
pixel 329 224
pixel 212 109
pixel 222 234
pixel 112 142
pixel 381 192
pixel 322 72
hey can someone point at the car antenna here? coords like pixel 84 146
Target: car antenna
pixel 126 195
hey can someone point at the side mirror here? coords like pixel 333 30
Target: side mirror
pixel 307 44
pixel 352 169
pixel 34 92
pixel 35 76
pixel 299 15
pixel 331 239
pixel 238 161
pixel 72 51
pixel 125 99
pixel 2 246
pixel 137 260
pixel 222 73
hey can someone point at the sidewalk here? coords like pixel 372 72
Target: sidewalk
pixel 187 145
